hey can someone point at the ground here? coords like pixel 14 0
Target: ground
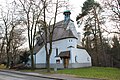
pixel 17 75
pixel 91 73
pixel 94 72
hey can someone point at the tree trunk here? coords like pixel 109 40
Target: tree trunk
pixel 101 41
pixel 48 63
pixel 96 46
pixel 2 49
pixel 32 62
pixel 32 59
pixel 8 59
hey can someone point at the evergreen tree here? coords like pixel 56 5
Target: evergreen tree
pixel 24 58
pixel 93 39
pixel 115 51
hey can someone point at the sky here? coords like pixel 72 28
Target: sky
pixel 76 9
pixel 75 4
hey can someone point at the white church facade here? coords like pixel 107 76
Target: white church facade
pixel 65 53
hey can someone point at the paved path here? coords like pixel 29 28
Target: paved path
pixel 36 76
pixel 12 76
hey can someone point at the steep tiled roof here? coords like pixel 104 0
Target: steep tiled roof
pixel 60 32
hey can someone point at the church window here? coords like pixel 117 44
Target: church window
pixel 58 61
pixel 88 59
pixel 70 40
pixel 75 58
pixel 56 51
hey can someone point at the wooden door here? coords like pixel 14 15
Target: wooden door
pixel 66 62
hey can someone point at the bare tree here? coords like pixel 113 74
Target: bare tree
pixel 113 7
pixel 41 14
pixel 51 8
pixel 9 21
pixel 18 40
pixel 48 30
pixel 32 10
pixel 2 42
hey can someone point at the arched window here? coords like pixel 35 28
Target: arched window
pixel 70 40
pixel 88 59
pixel 75 58
pixel 56 51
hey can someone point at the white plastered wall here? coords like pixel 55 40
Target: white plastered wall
pixel 61 45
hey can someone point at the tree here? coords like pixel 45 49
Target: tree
pixel 16 44
pixel 116 48
pixel 9 21
pixel 32 10
pixel 91 18
pixel 24 58
pixel 2 43
pixel 51 8
pixel 113 7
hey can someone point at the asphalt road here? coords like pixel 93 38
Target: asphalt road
pixel 12 76
pixel 16 75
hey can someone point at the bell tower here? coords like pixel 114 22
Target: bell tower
pixel 67 15
pixel 67 11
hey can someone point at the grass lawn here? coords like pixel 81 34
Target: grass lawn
pixel 94 72
pixel 2 66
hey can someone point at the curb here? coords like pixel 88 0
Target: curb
pixel 22 73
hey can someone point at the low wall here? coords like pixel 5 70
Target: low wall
pixel 71 65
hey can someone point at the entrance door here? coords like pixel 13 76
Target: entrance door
pixel 66 62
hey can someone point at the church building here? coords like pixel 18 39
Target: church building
pixel 65 51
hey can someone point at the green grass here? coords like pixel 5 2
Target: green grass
pixel 2 66
pixel 94 72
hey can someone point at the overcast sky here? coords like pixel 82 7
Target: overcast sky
pixel 76 8
pixel 75 4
